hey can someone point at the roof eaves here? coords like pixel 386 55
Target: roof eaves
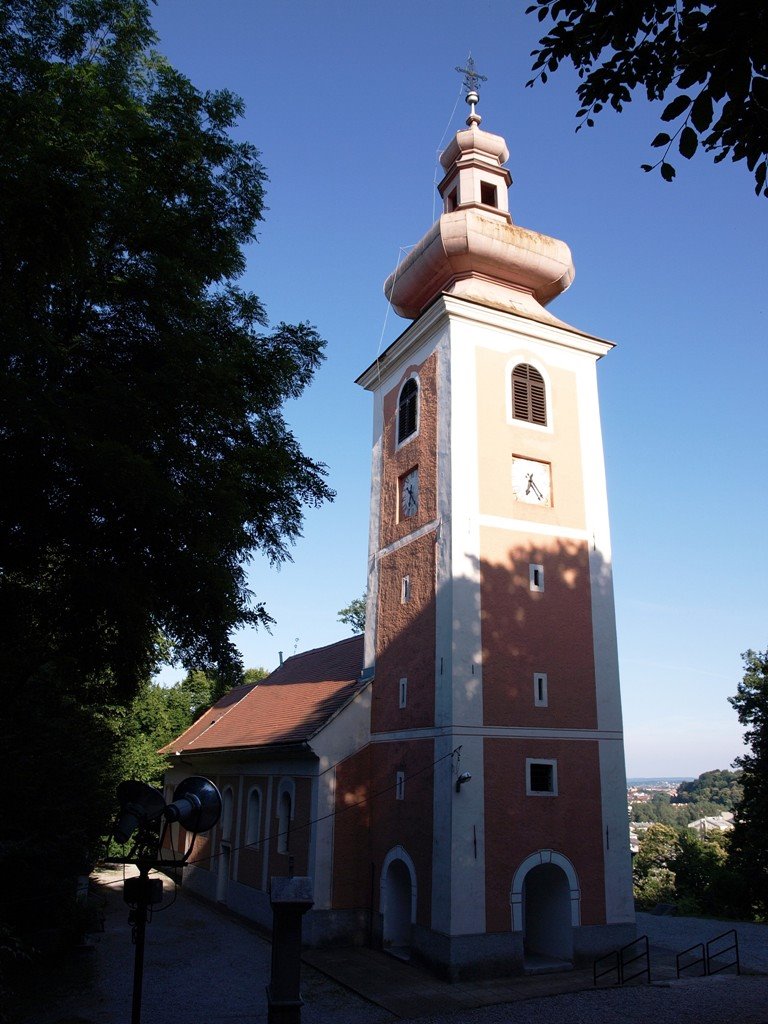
pixel 327 721
pixel 263 752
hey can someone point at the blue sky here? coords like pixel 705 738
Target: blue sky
pixel 349 103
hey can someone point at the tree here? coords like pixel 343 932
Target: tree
pixel 749 839
pixel 701 873
pixel 708 59
pixel 158 714
pixel 254 675
pixel 143 450
pixel 354 614
pixel 718 787
pixel 652 871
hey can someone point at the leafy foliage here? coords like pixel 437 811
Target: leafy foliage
pixel 354 614
pixel 254 675
pixel 653 877
pixel 708 60
pixel 710 794
pixel 719 788
pixel 749 844
pixel 158 714
pixel 676 866
pixel 702 874
pixel 143 451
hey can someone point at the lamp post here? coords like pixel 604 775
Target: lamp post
pixel 196 805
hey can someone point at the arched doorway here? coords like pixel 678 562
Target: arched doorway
pixel 545 900
pixel 397 899
pixel 547 930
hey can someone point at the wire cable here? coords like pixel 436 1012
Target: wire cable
pixel 330 814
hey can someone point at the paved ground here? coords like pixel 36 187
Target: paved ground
pixel 208 966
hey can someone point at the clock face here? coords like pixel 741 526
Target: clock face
pixel 409 494
pixel 532 481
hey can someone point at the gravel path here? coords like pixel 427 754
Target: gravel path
pixel 678 933
pixel 201 965
pixel 708 1001
pixel 207 966
pixel 723 999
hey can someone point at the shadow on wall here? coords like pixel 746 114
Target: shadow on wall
pixel 526 609
pixel 521 615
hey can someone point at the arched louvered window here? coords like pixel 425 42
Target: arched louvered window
pixel 529 398
pixel 284 814
pixel 253 818
pixel 407 410
pixel 227 815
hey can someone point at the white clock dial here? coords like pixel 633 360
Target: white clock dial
pixel 409 494
pixel 532 481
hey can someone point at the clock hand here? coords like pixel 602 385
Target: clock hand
pixel 532 487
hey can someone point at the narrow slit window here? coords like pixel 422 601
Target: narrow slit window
pixel 540 695
pixel 452 201
pixel 405 590
pixel 536 577
pixel 407 410
pixel 403 697
pixel 400 786
pixel 529 395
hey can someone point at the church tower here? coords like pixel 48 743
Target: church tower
pixel 500 835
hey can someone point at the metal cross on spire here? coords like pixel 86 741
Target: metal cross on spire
pixel 472 83
pixel 471 78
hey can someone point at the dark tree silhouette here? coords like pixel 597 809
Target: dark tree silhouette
pixel 143 452
pixel 708 60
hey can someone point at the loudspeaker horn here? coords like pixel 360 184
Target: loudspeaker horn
pixel 196 804
pixel 139 804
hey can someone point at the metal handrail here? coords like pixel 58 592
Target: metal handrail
pixel 644 954
pixel 619 962
pixel 615 965
pixel 699 946
pixel 734 947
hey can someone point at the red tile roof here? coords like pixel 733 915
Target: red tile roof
pixel 289 706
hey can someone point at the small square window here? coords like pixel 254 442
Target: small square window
pixel 536 577
pixel 540 695
pixel 403 692
pixel 400 786
pixel 488 194
pixel 405 590
pixel 541 777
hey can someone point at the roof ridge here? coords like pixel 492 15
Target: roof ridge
pixel 225 712
pixel 323 647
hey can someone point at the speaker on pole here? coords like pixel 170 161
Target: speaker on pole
pixel 196 804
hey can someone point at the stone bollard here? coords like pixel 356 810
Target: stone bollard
pixel 290 898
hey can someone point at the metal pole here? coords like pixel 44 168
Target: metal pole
pixel 140 926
